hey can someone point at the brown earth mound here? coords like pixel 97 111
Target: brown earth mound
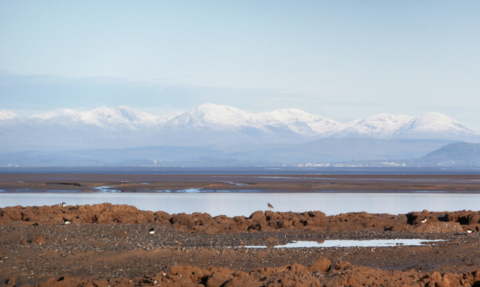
pixel 258 221
pixel 342 274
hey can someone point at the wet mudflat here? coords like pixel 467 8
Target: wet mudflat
pixel 237 182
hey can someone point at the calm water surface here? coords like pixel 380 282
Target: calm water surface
pixel 352 243
pixel 233 204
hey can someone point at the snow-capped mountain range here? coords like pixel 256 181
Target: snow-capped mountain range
pixel 211 124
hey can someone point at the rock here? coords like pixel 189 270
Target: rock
pixel 473 218
pixel 342 265
pixel 161 217
pixel 239 282
pixel 257 216
pixel 11 282
pixel 321 265
pixel 217 279
pixel 442 284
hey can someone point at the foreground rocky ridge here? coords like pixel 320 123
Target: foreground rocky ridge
pixel 258 221
pixel 316 275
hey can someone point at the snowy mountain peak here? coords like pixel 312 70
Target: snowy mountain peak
pixel 213 115
pixel 118 116
pixel 226 117
pixel 435 123
pixel 299 121
pixel 383 122
pixel 106 118
pixel 65 116
pixel 56 114
pixel 377 126
pixel 433 117
pixel 428 125
pixel 7 115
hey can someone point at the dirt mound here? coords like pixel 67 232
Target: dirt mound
pixel 344 274
pixel 424 221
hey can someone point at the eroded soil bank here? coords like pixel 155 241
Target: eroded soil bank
pixel 341 274
pixel 110 245
pixel 258 221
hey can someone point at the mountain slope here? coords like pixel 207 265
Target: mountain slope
pixel 212 116
pixel 454 154
pixel 106 118
pixel 299 122
pixel 382 126
pixel 435 125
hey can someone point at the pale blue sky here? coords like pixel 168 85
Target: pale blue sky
pixel 340 59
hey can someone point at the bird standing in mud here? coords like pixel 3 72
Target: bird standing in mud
pixel 151 231
pixel 270 206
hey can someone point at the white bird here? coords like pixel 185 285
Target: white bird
pixel 66 221
pixel 155 161
pixel 469 231
pixel 423 221
pixel 63 204
pixel 151 231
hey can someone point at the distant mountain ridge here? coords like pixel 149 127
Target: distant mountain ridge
pixel 454 154
pixel 211 124
pixel 319 152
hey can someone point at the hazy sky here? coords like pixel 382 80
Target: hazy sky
pixel 340 59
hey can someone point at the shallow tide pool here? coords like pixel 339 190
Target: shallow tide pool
pixel 353 243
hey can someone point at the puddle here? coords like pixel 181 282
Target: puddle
pixel 354 243
pixel 201 190
pixel 236 183
pixel 144 182
pixel 106 189
pixel 64 191
pixel 189 190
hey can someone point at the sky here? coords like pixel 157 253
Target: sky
pixel 341 59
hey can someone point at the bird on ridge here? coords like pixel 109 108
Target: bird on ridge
pixel 424 220
pixel 469 231
pixel 63 204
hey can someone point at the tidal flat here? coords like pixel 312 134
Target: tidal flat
pixel 374 183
